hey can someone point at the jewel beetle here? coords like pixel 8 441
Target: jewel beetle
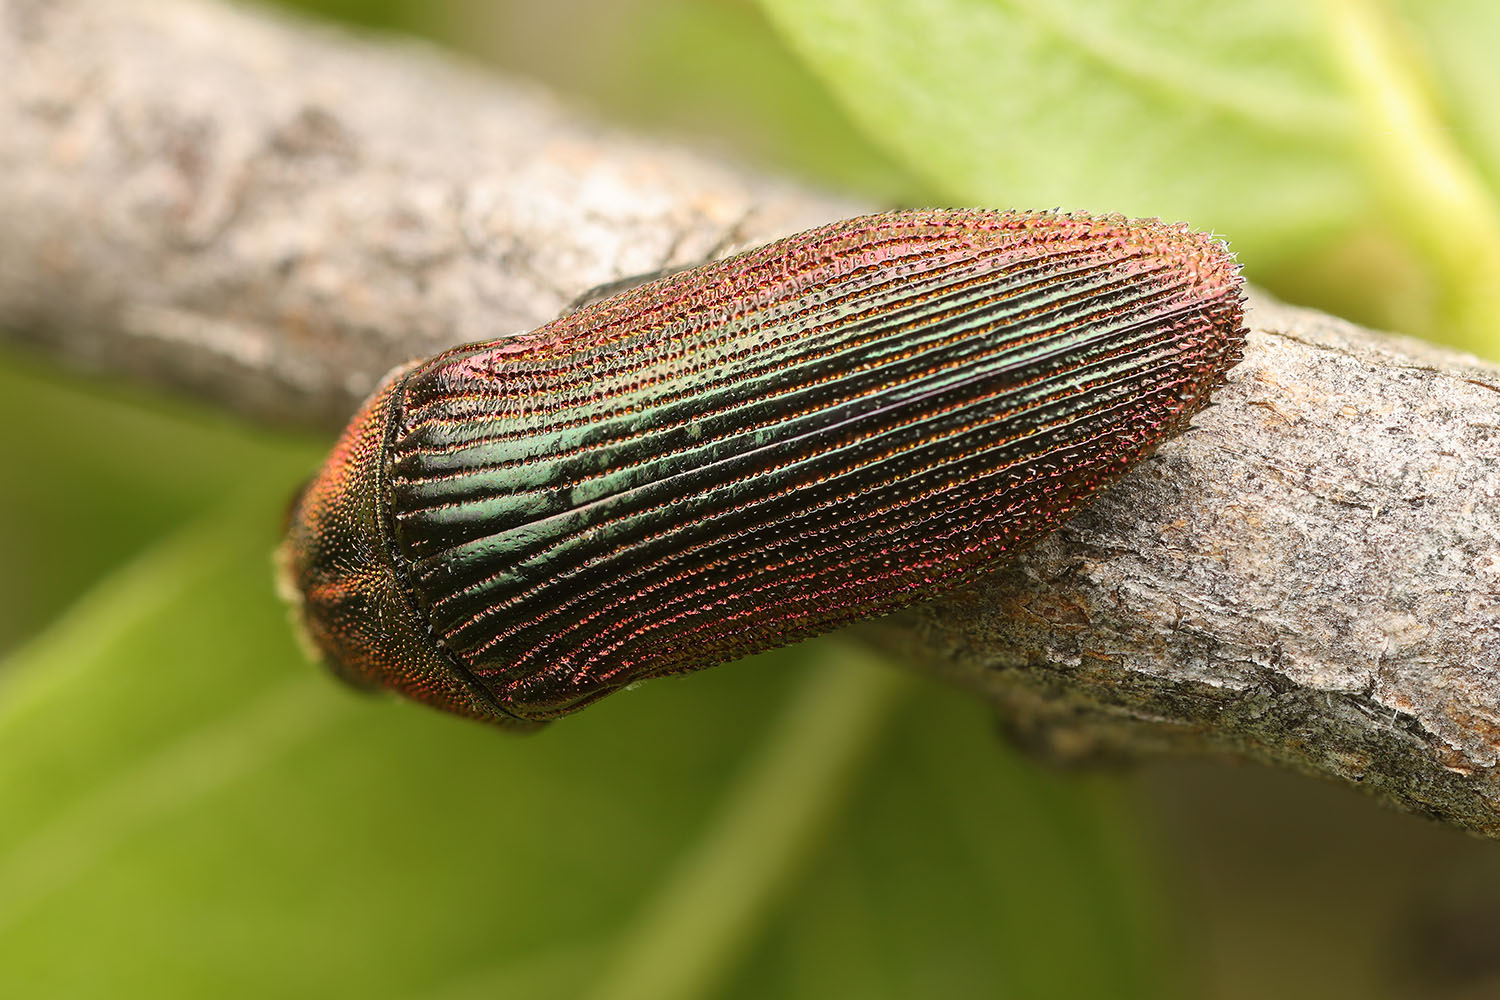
pixel 748 453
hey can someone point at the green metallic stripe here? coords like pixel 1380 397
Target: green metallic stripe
pixel 401 569
pixel 909 546
pixel 491 514
pixel 924 438
pixel 461 486
pixel 762 480
pixel 455 558
pixel 944 446
pixel 727 396
pixel 906 525
pixel 829 340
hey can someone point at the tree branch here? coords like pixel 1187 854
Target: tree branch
pixel 269 215
pixel 1310 576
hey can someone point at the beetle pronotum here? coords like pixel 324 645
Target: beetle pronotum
pixel 755 451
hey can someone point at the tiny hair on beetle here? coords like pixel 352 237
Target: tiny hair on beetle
pixel 745 454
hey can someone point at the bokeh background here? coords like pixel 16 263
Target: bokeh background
pixel 187 808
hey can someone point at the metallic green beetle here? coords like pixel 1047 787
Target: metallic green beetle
pixel 762 449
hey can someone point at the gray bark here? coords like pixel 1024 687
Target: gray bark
pixel 1310 576
pixel 269 215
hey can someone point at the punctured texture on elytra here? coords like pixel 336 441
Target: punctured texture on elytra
pixel 759 450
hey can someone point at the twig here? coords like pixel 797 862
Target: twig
pixel 269 215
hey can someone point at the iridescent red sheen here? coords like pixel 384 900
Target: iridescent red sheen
pixel 762 449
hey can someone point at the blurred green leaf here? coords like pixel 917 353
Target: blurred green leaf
pixel 709 69
pixel 1463 36
pixel 1222 115
pixel 1280 123
pixel 188 808
pixel 718 69
pixel 93 475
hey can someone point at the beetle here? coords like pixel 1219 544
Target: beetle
pixel 748 453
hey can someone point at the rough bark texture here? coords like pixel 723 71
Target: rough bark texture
pixel 269 216
pixel 1311 576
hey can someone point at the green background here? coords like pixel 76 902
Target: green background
pixel 188 808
